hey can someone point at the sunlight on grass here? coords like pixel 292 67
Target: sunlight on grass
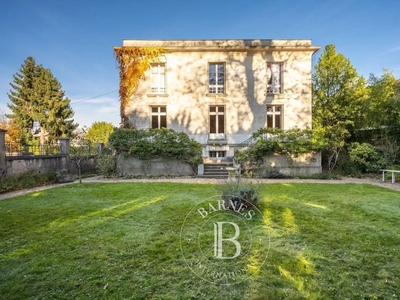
pixel 254 264
pixel 17 253
pixel 297 282
pixel 316 205
pixel 320 242
pixel 267 217
pixel 108 210
pixel 138 206
pixel 305 264
pixel 289 220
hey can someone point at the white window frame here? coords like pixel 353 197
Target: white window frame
pixel 216 88
pixel 275 78
pixel 275 113
pixel 217 113
pixel 158 114
pixel 217 154
pixel 158 83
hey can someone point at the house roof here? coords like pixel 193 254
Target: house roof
pixel 226 45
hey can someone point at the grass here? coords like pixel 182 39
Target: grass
pixel 122 241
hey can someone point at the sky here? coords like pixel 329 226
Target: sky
pixel 75 38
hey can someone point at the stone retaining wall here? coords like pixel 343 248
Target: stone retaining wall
pixel 128 165
pixel 307 164
pixel 47 163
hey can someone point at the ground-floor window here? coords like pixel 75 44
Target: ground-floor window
pixel 216 154
pixel 274 116
pixel 217 119
pixel 158 117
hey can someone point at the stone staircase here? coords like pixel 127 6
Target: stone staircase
pixel 216 170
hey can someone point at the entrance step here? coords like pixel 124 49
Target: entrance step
pixel 216 170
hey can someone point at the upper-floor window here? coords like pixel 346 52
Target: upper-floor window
pixel 274 116
pixel 158 117
pixel 157 77
pixel 274 77
pixel 216 78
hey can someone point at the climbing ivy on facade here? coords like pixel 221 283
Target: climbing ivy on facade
pixel 133 63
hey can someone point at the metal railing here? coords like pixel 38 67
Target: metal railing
pixel 248 142
pixel 252 141
pixel 19 149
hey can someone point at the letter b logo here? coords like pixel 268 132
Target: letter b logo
pixel 218 240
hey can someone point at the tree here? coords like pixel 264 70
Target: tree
pixel 383 112
pixel 99 132
pixel 21 96
pixel 38 104
pixel 12 130
pixel 133 63
pixel 338 95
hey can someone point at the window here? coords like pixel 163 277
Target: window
pixel 274 78
pixel 158 116
pixel 157 77
pixel 216 78
pixel 217 119
pixel 274 116
pixel 214 154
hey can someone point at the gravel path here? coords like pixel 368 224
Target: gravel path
pixel 386 184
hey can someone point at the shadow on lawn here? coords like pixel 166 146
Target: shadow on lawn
pixel 106 214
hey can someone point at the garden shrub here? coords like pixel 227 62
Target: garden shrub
pixel 146 144
pixel 274 174
pixel 237 193
pixel 293 142
pixel 105 164
pixel 346 166
pixel 366 157
pixel 63 176
pixel 26 180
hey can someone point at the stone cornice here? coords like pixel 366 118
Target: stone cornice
pixel 225 45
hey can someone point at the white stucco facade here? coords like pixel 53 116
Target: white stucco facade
pixel 245 63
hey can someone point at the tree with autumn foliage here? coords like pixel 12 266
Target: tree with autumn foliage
pixel 133 63
pixel 12 133
pixel 39 107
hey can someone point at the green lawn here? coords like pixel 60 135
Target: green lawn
pixel 122 241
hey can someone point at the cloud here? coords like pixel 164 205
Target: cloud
pixel 95 110
pixel 392 50
pixel 111 110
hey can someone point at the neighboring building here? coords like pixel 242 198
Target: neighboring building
pixel 221 91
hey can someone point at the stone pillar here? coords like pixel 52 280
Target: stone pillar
pixel 99 148
pixel 200 170
pixel 64 145
pixel 2 152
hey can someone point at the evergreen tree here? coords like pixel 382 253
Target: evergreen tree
pixel 338 97
pixel 38 100
pixel 21 96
